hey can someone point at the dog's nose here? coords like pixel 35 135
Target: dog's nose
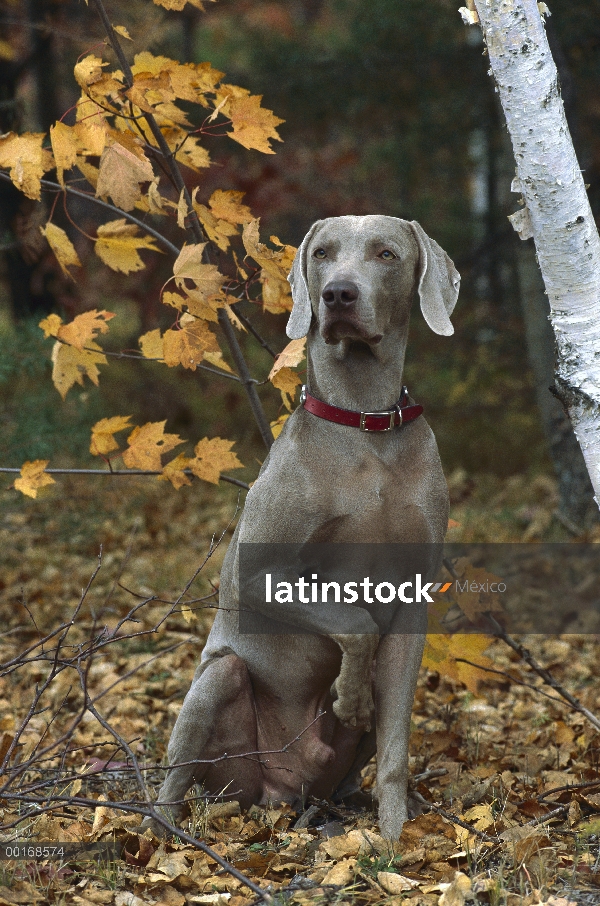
pixel 340 294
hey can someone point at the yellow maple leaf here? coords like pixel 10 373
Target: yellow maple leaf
pixel 103 432
pixel 71 365
pixel 441 652
pixel 146 446
pixel 218 231
pixel 65 147
pixel 276 294
pixel 291 356
pixel 275 266
pixel 117 245
pixel 211 457
pixel 84 328
pixel 206 278
pixel 33 477
pixel 227 206
pixel 27 160
pixel 91 136
pixel 174 471
pixel 277 425
pixel 120 175
pixel 151 344
pixel 253 125
pixel 216 359
pixel 286 381
pixel 62 247
pixel 51 325
pixel 89 70
pixel 192 154
pixel 187 346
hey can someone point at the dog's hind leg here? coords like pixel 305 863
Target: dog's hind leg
pixel 217 717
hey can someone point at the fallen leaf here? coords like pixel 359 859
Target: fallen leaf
pixel 394 883
pixel 213 456
pixel 457 891
pixel 146 446
pixel 33 477
pixel 341 874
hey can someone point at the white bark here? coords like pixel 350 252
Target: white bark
pixel 558 213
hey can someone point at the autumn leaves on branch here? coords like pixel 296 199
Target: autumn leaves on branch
pixel 129 138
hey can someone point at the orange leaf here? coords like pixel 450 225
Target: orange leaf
pixel 33 477
pixel 228 206
pixel 213 457
pixel 146 446
pixel 188 345
pixel 84 328
pixel 253 125
pixel 189 266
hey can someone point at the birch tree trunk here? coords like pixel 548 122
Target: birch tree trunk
pixel 557 212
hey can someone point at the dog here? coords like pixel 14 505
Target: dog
pixel 356 462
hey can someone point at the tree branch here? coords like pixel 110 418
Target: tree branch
pixel 196 229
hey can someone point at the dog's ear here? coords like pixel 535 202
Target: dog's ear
pixel 298 323
pixel 439 282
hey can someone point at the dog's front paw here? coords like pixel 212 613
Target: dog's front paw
pixel 353 707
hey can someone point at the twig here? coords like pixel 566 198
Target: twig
pixel 249 326
pixel 449 817
pixel 120 472
pixel 525 655
pixel 513 679
pixel 48 184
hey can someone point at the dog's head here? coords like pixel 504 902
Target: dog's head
pixel 357 275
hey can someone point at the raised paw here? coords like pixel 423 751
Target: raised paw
pixel 353 706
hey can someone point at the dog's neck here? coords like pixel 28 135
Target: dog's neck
pixel 351 376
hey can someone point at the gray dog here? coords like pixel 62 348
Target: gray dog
pixel 354 463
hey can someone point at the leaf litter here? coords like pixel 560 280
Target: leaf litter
pixel 514 776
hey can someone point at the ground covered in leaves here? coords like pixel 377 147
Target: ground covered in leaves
pixel 512 770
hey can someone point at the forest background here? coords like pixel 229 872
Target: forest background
pixel 388 109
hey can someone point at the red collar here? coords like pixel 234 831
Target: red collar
pixel 366 421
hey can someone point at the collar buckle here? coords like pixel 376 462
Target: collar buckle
pixel 391 413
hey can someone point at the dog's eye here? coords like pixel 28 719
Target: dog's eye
pixel 320 253
pixel 386 255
